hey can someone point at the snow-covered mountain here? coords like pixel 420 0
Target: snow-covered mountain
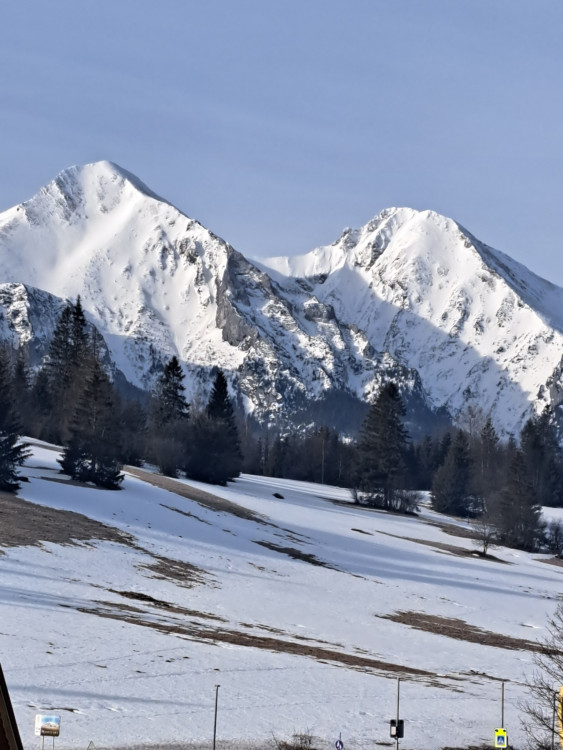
pixel 477 326
pixel 410 296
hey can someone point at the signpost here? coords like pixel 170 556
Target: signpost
pixel 501 737
pixel 47 725
pixel 397 726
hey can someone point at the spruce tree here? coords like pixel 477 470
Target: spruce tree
pixel 486 464
pixel 169 419
pixel 451 486
pixel 170 405
pixel 382 447
pixel 41 406
pixel 65 367
pixel 214 450
pixel 519 512
pixel 91 453
pixel 12 452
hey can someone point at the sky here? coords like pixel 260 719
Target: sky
pixel 278 124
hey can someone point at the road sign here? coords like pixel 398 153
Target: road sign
pixel 339 745
pixel 501 740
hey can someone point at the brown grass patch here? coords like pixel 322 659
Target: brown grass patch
pixel 26 524
pixel 178 571
pixel 453 530
pixel 295 554
pixel 459 630
pixel 452 549
pixel 196 632
pixel 206 499
pixel 160 604
pixel 557 561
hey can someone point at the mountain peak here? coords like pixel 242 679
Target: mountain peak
pixel 97 179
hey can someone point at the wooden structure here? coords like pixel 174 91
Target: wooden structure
pixel 9 734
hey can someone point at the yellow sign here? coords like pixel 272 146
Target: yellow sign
pixel 560 716
pixel 501 740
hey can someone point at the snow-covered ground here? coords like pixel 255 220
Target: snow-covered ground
pixel 89 632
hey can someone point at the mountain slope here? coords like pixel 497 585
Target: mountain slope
pixel 156 283
pixel 477 327
pixel 410 296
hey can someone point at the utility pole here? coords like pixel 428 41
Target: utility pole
pixel 215 722
pixel 323 459
pixel 397 725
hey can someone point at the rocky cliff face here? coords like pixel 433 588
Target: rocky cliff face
pixel 411 296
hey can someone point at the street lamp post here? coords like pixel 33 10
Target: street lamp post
pixel 215 722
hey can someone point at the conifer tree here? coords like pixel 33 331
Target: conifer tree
pixel 65 367
pixel 133 431
pixel 12 452
pixel 487 464
pixel 170 405
pixel 451 487
pixel 91 453
pixel 382 447
pixel 41 406
pixel 169 419
pixel 214 450
pixel 21 389
pixel 519 512
pixel 542 457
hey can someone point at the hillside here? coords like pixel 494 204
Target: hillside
pixel 121 611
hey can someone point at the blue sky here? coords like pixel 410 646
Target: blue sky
pixel 277 123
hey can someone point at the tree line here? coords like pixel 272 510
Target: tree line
pixel 72 401
pixel 501 485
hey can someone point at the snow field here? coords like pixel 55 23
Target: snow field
pixel 119 681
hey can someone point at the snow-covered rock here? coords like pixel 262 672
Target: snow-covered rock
pixel 478 327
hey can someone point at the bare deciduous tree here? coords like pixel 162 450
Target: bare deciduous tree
pixel 540 709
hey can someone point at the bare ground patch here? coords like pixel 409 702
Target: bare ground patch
pixel 206 499
pixel 180 572
pixel 452 549
pixel 26 524
pixel 453 530
pixel 198 632
pixel 168 606
pixel 295 554
pixel 557 561
pixel 459 630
